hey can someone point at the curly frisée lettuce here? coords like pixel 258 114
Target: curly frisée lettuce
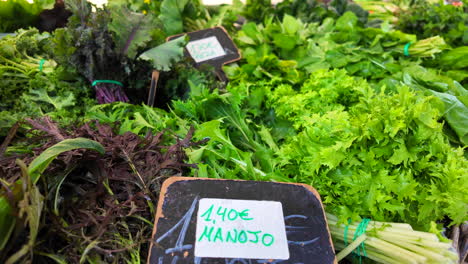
pixel 373 153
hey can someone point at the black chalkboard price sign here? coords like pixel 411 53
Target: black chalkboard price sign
pixel 211 46
pixel 208 221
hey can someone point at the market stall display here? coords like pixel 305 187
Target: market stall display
pixel 368 107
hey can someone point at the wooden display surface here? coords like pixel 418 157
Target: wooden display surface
pixel 173 241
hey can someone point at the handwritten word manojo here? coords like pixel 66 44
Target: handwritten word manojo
pixel 213 233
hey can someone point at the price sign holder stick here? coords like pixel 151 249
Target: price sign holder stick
pixel 153 87
pixel 221 75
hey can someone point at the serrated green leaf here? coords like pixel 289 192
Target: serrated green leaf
pixel 59 102
pixel 163 56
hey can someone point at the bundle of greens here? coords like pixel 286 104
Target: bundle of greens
pixel 32 84
pixel 291 49
pixel 390 243
pixel 454 63
pixel 369 153
pixel 316 11
pixel 95 188
pixel 423 48
pixel 17 14
pixel 104 47
pixel 88 47
pixel 427 19
pixel 368 52
pixel 307 11
pixel 386 151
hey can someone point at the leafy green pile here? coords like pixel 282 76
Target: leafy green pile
pixel 372 153
pixel 17 14
pixel 32 85
pixel 367 52
pixel 316 11
pixel 291 49
pixel 427 19
pixel 371 117
pixel 307 11
pixel 369 153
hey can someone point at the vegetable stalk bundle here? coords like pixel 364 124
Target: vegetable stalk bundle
pixel 390 243
pixel 423 48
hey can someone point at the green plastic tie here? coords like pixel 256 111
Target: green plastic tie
pixel 406 49
pixel 360 230
pixel 41 64
pixel 346 232
pixel 106 81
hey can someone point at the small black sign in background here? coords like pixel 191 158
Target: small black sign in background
pixel 173 239
pixel 231 52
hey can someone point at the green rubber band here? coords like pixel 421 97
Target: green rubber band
pixel 106 81
pixel 406 49
pixel 361 230
pixel 41 64
pixel 346 232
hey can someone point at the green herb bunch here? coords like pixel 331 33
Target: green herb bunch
pixel 427 19
pixel 33 85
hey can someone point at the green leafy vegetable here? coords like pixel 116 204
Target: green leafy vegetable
pixel 427 19
pixel 105 45
pixel 17 14
pixel 163 56
pixel 174 13
pixel 31 209
pixel 33 85
pixel 39 164
pixel 171 14
pixel 370 152
pixel 131 30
